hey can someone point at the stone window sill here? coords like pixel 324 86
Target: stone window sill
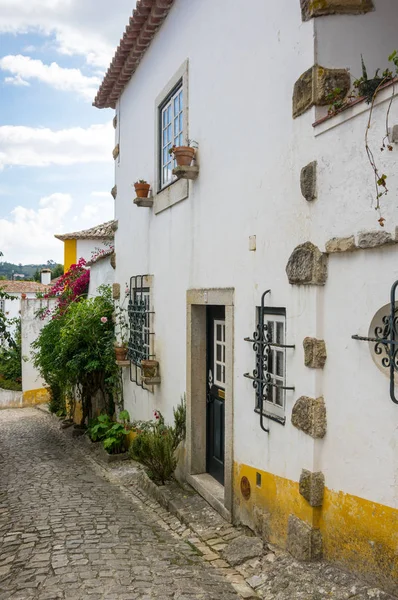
pixel 172 194
pixel 353 109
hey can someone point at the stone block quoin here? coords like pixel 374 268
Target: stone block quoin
pixel 308 181
pixel 312 487
pixel 309 415
pixel 314 86
pixel 303 541
pixel 307 265
pixel 322 8
pixel 314 353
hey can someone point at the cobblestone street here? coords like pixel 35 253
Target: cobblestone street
pixel 66 532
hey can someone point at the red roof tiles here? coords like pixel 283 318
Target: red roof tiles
pixel 143 25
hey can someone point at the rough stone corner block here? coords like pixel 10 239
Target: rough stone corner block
pixel 113 260
pixel 114 122
pixel 313 87
pixel 114 192
pixel 308 181
pixel 314 353
pixel 346 244
pixel 312 487
pixel 373 239
pixel 307 265
pixel 321 8
pixel 116 151
pixel 116 291
pixel 309 415
pixel 303 541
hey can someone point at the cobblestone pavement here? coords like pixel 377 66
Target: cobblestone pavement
pixel 66 532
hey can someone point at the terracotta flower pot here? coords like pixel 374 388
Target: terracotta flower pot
pixel 149 368
pixel 184 155
pixel 120 352
pixel 142 190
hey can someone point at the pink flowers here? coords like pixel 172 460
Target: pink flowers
pixel 104 319
pixel 70 287
pixel 156 415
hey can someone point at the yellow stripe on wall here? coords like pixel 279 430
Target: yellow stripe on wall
pixel 70 254
pixel 358 534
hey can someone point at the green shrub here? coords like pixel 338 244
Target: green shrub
pixel 57 404
pixel 114 441
pixel 155 450
pixel 155 445
pixel 7 384
pixel 98 427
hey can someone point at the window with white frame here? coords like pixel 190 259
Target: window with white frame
pixel 219 353
pixel 171 132
pixel 275 361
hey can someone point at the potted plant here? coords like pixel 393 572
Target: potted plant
pixel 368 87
pixel 142 188
pixel 183 154
pixel 149 368
pixel 121 350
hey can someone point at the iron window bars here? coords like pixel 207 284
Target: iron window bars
pixel 386 341
pixel 140 321
pixel 262 377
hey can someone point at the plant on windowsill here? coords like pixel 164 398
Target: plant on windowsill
pixel 142 188
pixel 184 155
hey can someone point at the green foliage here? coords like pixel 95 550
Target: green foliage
pixel 6 384
pixel 57 271
pixel 98 427
pixel 156 443
pixel 155 450
pixel 115 439
pixel 74 351
pixel 57 404
pixel 10 354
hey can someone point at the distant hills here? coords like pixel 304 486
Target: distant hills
pixel 8 269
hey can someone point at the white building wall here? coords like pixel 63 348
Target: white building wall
pixel 31 327
pixel 246 129
pixel 12 308
pixel 101 273
pixel 86 248
pixel 250 154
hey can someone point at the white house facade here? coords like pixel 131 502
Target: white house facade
pixel 251 269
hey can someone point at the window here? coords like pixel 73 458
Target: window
pixel 219 353
pixel 171 132
pixel 274 360
pixel 140 315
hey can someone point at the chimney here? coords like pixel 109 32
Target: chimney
pixel 46 276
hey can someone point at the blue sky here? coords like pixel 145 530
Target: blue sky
pixel 56 166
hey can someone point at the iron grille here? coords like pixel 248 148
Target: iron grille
pixel 139 314
pixel 386 341
pixel 262 376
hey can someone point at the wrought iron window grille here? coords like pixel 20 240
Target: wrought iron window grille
pixel 261 376
pixel 140 324
pixel 386 341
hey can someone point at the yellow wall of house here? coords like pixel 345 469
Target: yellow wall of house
pixel 360 534
pixel 70 254
pixel 32 397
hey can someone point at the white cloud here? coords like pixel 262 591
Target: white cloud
pixel 100 194
pixel 72 80
pixel 91 28
pixel 28 235
pixel 41 147
pixel 17 80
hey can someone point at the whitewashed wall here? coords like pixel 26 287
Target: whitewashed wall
pixel 250 154
pixel 101 273
pixel 12 308
pixel 31 327
pixel 85 248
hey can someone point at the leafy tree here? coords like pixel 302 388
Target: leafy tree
pixel 57 271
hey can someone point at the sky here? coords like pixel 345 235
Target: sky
pixel 56 165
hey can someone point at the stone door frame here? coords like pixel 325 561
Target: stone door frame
pixel 197 301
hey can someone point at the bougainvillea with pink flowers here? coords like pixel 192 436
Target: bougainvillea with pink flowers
pixel 72 286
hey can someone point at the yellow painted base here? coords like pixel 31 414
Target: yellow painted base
pixel 33 397
pixel 358 534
